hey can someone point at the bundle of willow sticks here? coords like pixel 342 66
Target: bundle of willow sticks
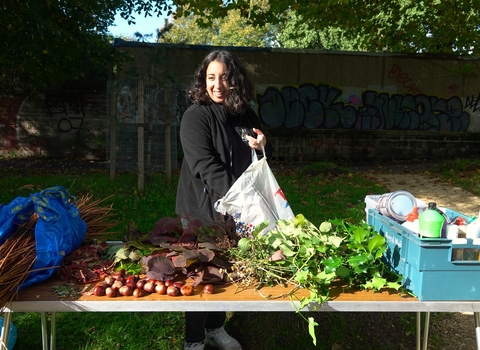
pixel 18 252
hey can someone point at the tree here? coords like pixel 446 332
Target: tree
pixel 439 26
pixel 45 43
pixel 232 30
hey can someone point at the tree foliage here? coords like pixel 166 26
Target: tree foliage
pixel 46 43
pixel 232 30
pixel 438 26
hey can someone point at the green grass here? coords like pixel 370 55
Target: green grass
pixel 319 191
pixel 157 201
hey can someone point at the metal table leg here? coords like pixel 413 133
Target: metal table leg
pixel 425 330
pixel 43 320
pixel 476 316
pixel 53 331
pixel 7 316
pixel 419 330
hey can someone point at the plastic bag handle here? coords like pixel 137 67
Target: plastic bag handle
pixel 254 154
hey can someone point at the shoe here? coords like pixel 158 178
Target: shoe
pixel 220 339
pixel 194 346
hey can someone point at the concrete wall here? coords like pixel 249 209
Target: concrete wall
pixel 314 105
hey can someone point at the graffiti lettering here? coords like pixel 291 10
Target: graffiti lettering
pixel 403 79
pixel 320 106
pixel 473 103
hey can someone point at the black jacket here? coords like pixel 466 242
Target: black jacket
pixel 214 157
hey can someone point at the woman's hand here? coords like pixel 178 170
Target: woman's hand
pixel 256 143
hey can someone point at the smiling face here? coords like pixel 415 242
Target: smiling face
pixel 217 85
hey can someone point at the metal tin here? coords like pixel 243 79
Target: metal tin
pixel 396 205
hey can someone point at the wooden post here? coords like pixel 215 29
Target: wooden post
pixel 170 107
pixel 113 129
pixel 141 135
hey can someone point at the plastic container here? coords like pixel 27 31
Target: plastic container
pixel 412 221
pixel 431 222
pixel 473 229
pixel 432 268
pixel 452 231
pixel 396 205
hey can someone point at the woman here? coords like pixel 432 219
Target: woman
pixel 218 133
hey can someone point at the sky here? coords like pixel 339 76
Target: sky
pixel 143 25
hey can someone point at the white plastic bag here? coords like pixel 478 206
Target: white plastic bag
pixel 256 197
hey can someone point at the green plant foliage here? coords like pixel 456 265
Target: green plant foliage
pixel 298 253
pixel 46 43
pixel 231 30
pixel 443 27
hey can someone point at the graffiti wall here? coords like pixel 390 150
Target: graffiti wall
pixel 56 124
pixel 368 101
pixel 329 107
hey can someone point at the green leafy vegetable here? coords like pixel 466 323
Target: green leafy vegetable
pixel 313 258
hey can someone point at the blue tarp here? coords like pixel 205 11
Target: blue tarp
pixel 59 229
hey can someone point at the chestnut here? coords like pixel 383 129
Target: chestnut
pixel 138 293
pixel 178 284
pixel 161 289
pixel 169 283
pixel 111 293
pixel 186 290
pixel 118 274
pixel 208 288
pixel 172 291
pixel 109 280
pixel 140 284
pixel 99 290
pixel 117 285
pixel 126 290
pixel 149 287
pixel 130 280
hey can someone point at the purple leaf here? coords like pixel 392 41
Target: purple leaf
pixel 160 268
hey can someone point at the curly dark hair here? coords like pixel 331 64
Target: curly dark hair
pixel 241 93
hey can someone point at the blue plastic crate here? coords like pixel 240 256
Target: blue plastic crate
pixel 428 270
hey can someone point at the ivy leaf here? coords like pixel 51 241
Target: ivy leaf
pixel 343 271
pixel 359 259
pixel 311 329
pixel 301 276
pixel 376 283
pixel 335 241
pixel 286 250
pixel 359 234
pixel 326 277
pixel 299 220
pixel 245 245
pixel 260 227
pixel 393 285
pixel 332 263
pixel 375 243
pixel 380 252
pixel 325 227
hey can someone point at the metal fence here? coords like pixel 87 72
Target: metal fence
pixel 142 122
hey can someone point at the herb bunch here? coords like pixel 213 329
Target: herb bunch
pixel 301 255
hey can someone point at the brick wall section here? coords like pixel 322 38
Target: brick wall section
pixel 369 146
